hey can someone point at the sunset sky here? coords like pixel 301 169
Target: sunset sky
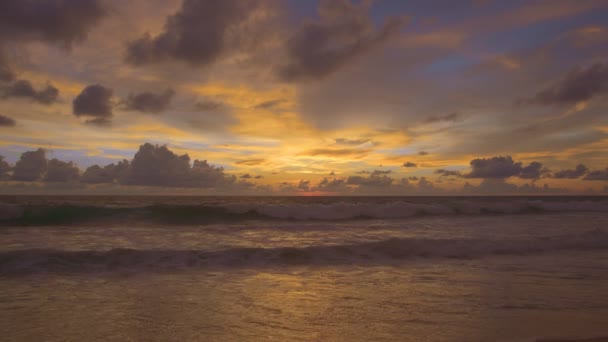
pixel 314 97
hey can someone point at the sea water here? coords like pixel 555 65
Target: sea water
pixel 310 269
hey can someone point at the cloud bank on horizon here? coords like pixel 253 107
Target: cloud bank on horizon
pixel 316 97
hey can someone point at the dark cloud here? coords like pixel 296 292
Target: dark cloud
pixel 578 172
pixel 204 175
pixel 30 166
pixel 196 34
pixel 597 175
pixel 351 142
pixel 377 178
pixel 412 178
pixel 495 167
pixel 246 176
pixel 5 168
pixel 579 84
pixel 343 32
pixel 258 177
pixel 155 165
pixel 108 174
pixel 448 173
pixel 502 168
pixel 423 153
pixel 206 106
pixel 59 21
pixel 60 171
pixel 5 121
pixel 332 185
pixel 304 185
pixel 250 162
pixel 491 186
pixel 533 171
pixel 409 164
pixel 285 187
pixel 158 166
pixel 445 118
pixel 148 102
pixel 152 165
pixel 24 89
pixel 95 101
pixel 425 186
pixel 268 104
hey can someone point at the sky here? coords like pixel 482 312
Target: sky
pixel 304 97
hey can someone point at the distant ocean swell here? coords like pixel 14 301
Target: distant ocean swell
pixel 201 214
pixel 370 253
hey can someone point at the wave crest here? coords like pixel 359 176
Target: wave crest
pixel 339 210
pixel 369 253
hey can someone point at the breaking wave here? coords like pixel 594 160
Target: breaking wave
pixel 41 214
pixel 370 253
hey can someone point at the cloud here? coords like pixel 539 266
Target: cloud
pixel 206 106
pixel 425 185
pixel 108 174
pixel 329 152
pixel 30 166
pixel 268 104
pixel 5 168
pixel 95 101
pixel 155 165
pixel 332 185
pixel 250 162
pixel 578 172
pixel 423 153
pixel 533 171
pixel 579 84
pixel 495 167
pixel 597 175
pixel 377 178
pixel 448 173
pixel 196 34
pixel 60 171
pixel 491 186
pixel 304 185
pixel 504 167
pixel 5 121
pixel 57 21
pixel 445 118
pixel 409 164
pixel 148 102
pixel 343 32
pixel 375 172
pixel 24 89
pixel 351 142
pixel 246 176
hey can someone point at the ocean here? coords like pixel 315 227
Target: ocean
pixel 121 268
